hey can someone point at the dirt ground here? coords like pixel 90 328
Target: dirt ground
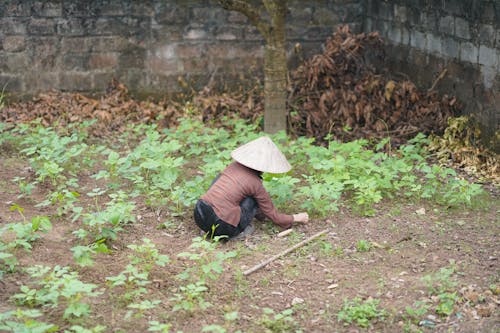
pixel 409 241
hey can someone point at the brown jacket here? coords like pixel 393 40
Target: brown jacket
pixel 234 184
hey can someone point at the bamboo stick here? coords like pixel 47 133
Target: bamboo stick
pixel 286 251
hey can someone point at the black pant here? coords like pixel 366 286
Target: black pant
pixel 208 221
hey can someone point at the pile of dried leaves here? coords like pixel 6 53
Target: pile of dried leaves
pixel 460 147
pixel 337 93
pixel 112 112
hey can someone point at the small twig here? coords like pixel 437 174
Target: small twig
pixel 296 246
pixel 439 78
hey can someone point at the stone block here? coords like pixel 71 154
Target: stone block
pixel 394 34
pixel 489 74
pixel 488 12
pixel 11 83
pixel 75 26
pixel 188 50
pixel 13 26
pixel 451 48
pixel 132 57
pixel 75 62
pixel 106 60
pixel 301 14
pixel 324 17
pixel 487 34
pixel 252 34
pixel 418 39
pixel 41 81
pixel 414 17
pixel 469 52
pixel 47 8
pixel 196 34
pixel 447 25
pixel 227 32
pixel 368 24
pixel 454 7
pixel 101 80
pixel 107 43
pixel 429 21
pixel 14 43
pixel 80 8
pixel 400 13
pixel 108 26
pixel 385 11
pixel 16 9
pixel 14 63
pixel 108 8
pixel 434 43
pixel 75 44
pixel 43 27
pixel 75 81
pixel 487 56
pixel 169 13
pixel 405 36
pixel 351 12
pixel 236 17
pixel 462 29
pixel 208 15
pixel 164 66
pixel 171 33
pixel 133 78
pixel 141 8
pixel 196 65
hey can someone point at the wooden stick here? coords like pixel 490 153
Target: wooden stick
pixel 439 78
pixel 290 249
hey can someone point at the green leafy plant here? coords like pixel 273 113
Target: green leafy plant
pixel 132 283
pixel 146 256
pixel 57 287
pixel 19 235
pixel 207 265
pixel 23 320
pixel 442 284
pixel 362 313
pixel 156 326
pixel 279 322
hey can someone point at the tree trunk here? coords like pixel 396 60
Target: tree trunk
pixel 275 62
pixel 275 70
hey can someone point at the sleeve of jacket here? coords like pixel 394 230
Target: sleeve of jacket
pixel 267 207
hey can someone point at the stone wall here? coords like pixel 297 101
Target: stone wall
pixel 81 45
pixel 462 37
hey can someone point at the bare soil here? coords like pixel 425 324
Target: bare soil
pixel 315 279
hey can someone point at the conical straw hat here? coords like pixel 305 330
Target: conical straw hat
pixel 262 155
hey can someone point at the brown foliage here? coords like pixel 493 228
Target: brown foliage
pixel 338 93
pixel 113 112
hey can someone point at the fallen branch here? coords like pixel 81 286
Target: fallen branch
pixel 290 249
pixel 439 78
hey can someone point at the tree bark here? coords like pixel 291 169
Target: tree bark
pixel 275 62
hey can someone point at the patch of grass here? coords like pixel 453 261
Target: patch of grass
pixel 363 245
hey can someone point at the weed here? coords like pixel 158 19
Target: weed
pixel 279 322
pixel 360 313
pixel 58 286
pixel 156 326
pixel 22 320
pixel 442 284
pixel 363 246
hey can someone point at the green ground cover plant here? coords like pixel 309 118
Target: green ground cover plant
pixel 147 177
pixel 361 313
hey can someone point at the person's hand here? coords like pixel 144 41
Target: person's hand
pixel 301 217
